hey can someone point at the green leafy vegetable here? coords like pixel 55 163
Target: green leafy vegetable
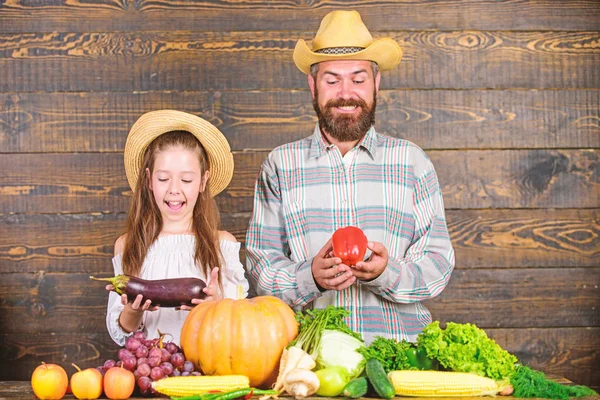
pixel 466 348
pixel 340 349
pixel 529 383
pixel 312 324
pixel 390 352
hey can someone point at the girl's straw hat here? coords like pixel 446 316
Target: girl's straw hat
pixel 153 124
pixel 344 36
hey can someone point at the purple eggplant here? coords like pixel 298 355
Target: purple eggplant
pixel 163 292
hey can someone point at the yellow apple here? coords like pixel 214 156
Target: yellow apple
pixel 49 382
pixel 118 383
pixel 86 384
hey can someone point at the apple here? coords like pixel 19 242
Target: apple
pixel 118 383
pixel 86 384
pixel 49 381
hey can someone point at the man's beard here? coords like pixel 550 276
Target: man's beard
pixel 345 127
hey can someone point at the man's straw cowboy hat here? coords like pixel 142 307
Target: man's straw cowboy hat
pixel 343 36
pixel 153 124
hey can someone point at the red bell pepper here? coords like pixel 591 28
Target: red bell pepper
pixel 349 244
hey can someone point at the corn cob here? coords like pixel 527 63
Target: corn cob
pixel 181 386
pixel 441 383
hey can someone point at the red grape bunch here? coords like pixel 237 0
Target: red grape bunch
pixel 150 360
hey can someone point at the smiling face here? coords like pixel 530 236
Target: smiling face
pixel 344 98
pixel 176 182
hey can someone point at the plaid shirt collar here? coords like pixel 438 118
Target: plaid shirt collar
pixel 319 145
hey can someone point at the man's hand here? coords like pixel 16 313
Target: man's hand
pixel 329 272
pixel 374 265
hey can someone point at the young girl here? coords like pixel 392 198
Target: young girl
pixel 175 163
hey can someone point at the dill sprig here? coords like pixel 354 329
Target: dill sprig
pixel 529 383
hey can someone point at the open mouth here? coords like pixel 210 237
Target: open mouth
pixel 175 205
pixel 347 108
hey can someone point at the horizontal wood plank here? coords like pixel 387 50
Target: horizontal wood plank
pixel 501 298
pixel 525 238
pixel 521 298
pixel 434 119
pixel 59 242
pixel 55 15
pixel 125 61
pixel 481 239
pixel 95 182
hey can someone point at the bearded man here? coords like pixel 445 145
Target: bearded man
pixel 347 174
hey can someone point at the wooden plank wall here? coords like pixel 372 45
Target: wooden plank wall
pixel 503 96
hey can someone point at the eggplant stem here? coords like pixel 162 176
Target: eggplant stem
pixel 102 279
pixel 119 282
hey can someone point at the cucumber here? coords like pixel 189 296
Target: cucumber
pixel 379 379
pixel 356 388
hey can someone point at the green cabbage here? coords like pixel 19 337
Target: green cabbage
pixel 467 348
pixel 338 349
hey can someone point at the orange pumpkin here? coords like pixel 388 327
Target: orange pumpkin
pixel 244 337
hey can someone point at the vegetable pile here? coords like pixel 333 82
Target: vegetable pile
pixel 324 342
pixel 469 363
pixel 321 355
pixel 465 348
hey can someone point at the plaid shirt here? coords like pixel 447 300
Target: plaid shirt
pixel 387 187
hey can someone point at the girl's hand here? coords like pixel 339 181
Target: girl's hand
pixel 132 315
pixel 212 290
pixel 135 306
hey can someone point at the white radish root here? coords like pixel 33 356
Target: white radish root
pixel 292 358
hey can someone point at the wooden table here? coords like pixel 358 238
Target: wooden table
pixel 14 390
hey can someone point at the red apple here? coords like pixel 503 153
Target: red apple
pixel 49 381
pixel 86 384
pixel 118 383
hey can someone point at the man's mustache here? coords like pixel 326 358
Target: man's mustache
pixel 346 103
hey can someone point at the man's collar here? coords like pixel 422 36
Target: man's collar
pixel 369 142
pixel 319 144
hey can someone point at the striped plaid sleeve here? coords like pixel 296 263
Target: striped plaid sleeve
pixel 267 253
pixel 428 263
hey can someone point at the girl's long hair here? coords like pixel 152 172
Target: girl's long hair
pixel 144 221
